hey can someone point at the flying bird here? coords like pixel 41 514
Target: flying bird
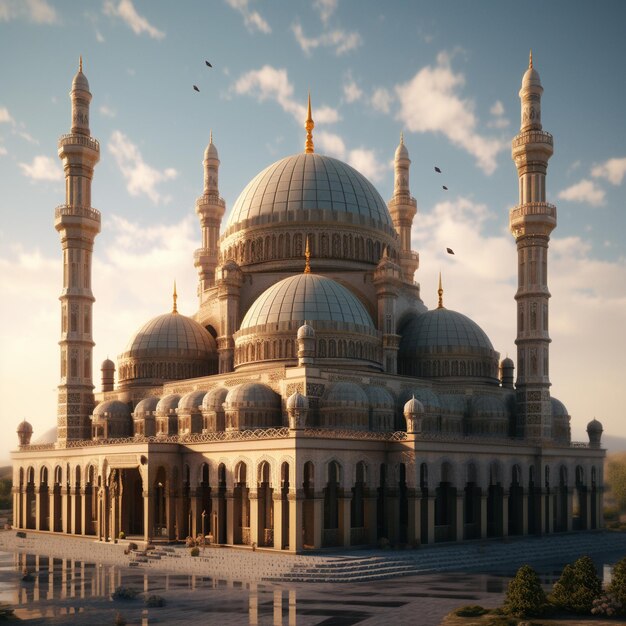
pixel 196 89
pixel 445 187
pixel 437 170
pixel 208 64
pixel 449 250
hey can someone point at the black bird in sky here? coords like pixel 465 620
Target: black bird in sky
pixel 196 89
pixel 208 64
pixel 449 250
pixel 437 170
pixel 445 187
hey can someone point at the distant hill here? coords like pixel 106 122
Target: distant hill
pixel 614 444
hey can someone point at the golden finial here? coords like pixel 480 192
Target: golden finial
pixel 530 60
pixel 401 137
pixel 174 298
pixel 307 257
pixel 80 63
pixel 440 292
pixel 309 125
pixel 211 136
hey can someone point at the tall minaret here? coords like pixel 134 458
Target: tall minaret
pixel 210 210
pixel 78 224
pixel 403 208
pixel 531 223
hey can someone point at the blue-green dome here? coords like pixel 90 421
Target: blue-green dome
pixel 305 182
pixel 307 297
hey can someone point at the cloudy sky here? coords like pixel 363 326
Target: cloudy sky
pixel 446 73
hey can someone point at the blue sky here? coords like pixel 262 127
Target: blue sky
pixel 447 73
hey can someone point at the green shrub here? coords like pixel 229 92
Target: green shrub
pixel 525 596
pixel 195 551
pixel 617 587
pixel 155 601
pixel 124 593
pixel 472 610
pixel 577 587
pixel 122 535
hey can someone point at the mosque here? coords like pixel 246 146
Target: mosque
pixel 312 400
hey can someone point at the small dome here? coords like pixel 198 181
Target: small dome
pixel 214 399
pixel 413 407
pixel 297 401
pixel 111 409
pixel 24 427
pixel 379 397
pixel 558 408
pixel 191 401
pixel 429 399
pixel 531 78
pixel 345 394
pixel 80 82
pixel 211 150
pixel 145 407
pixel 488 406
pixel 594 426
pixel 167 404
pixel 107 365
pixel 306 331
pixel 401 151
pixel 507 363
pixel 255 395
pixel 453 404
pixel 49 436
pixel 307 297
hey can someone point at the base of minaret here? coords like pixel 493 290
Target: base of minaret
pixel 534 412
pixel 75 405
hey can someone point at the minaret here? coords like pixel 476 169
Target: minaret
pixel 210 210
pixel 403 208
pixel 531 223
pixel 78 224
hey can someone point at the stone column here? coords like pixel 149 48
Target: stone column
pixel 51 509
pixel 216 506
pixel 550 498
pixel 345 521
pixel 570 509
pixel 115 514
pixel 318 520
pixel 65 510
pixel 588 509
pixel 459 526
pixel 414 531
pixel 83 510
pixel 278 519
pixel 256 529
pixel 73 511
pixel 483 514
pixel 370 514
pixel 148 515
pixel 37 507
pixel 430 503
pixel 195 510
pixel 525 513
pixel 294 499
pixel 230 518
pixel 600 506
pixel 392 515
pixel 170 512
pixel 505 513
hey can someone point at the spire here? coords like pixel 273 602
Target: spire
pixel 307 257
pixel 80 63
pixel 401 137
pixel 309 125
pixel 174 298
pixel 210 136
pixel 440 293
pixel 530 60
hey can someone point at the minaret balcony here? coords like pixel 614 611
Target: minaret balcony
pixel 209 199
pixel 542 209
pixel 74 139
pixel 67 210
pixel 203 256
pixel 532 136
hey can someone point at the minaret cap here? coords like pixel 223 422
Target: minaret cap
pixel 80 82
pixel 401 151
pixel 211 150
pixel 309 125
pixel 174 298
pixel 440 293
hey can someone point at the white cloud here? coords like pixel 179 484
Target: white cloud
pixel 141 178
pixel 351 91
pixel 340 40
pixel 107 111
pixel 431 102
pixel 5 116
pixel 362 159
pixel 37 11
pixel 325 8
pixel 42 168
pixel 498 120
pixel 497 109
pixel 270 83
pixel 612 170
pixel 3 151
pixel 584 191
pixel 126 11
pixel 381 100
pixel 99 37
pixel 252 20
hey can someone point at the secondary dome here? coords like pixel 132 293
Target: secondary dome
pixel 168 347
pixel 307 297
pixel 443 343
pixel 305 182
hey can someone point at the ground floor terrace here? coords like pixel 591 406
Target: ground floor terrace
pixel 309 491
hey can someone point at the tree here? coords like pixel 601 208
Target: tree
pixel 615 479
pixel 577 587
pixel 617 587
pixel 525 596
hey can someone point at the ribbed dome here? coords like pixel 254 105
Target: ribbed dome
pixel 107 364
pixel 345 394
pixel 145 406
pixel 167 403
pixel 80 82
pixel 558 408
pixel 488 406
pixel 111 408
pixel 306 297
pixel 171 334
pixel 25 427
pixel 309 181
pixel 379 397
pixel 442 328
pixel 297 401
pixel 191 401
pixel 429 399
pixel 255 395
pixel 214 399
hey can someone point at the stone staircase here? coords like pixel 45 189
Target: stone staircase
pixel 488 556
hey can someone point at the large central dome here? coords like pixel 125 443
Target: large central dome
pixel 305 182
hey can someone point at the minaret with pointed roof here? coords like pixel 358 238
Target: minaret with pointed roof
pixel 210 208
pixel 309 125
pixel 77 223
pixel 531 223
pixel 403 208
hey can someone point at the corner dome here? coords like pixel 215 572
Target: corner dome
pixel 344 394
pixel 304 182
pixel 558 408
pixel 191 401
pixel 297 401
pixel 111 409
pixel 306 297
pixel 168 347
pixel 443 343
pixel 253 395
pixel 25 427
pixel 413 407
pixel 145 407
pixel 214 399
